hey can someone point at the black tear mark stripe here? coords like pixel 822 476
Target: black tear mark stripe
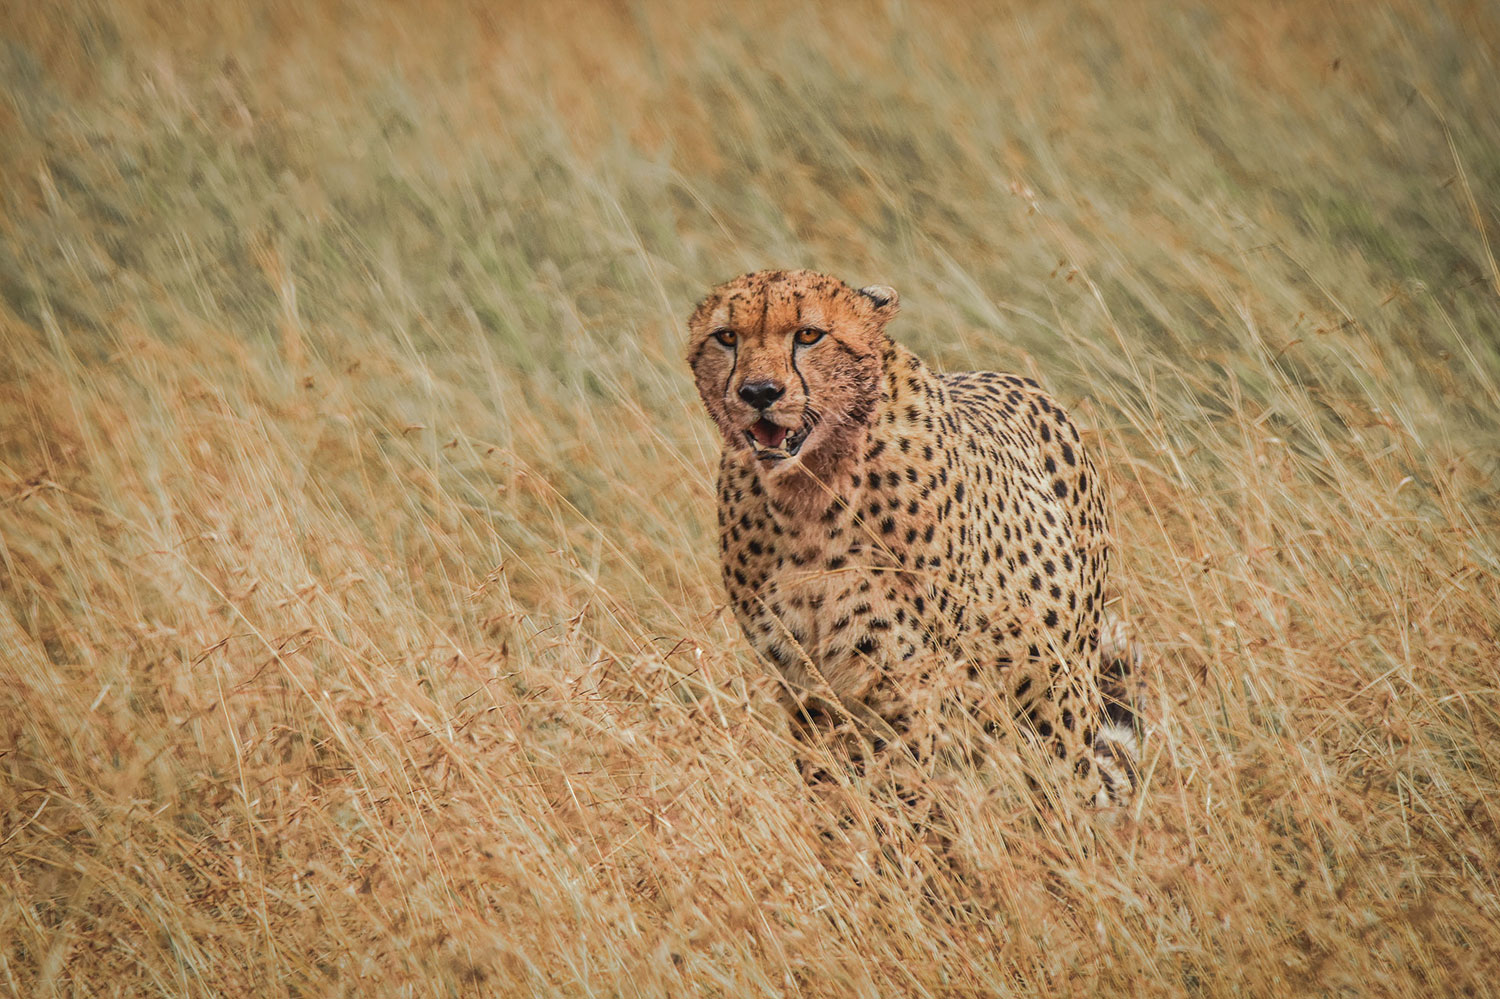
pixel 733 365
pixel 805 396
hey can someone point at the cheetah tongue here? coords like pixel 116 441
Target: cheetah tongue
pixel 768 434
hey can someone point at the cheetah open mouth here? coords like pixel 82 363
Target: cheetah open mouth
pixel 772 442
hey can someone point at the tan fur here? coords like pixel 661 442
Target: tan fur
pixel 931 565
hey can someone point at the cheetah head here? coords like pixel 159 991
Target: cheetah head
pixel 789 365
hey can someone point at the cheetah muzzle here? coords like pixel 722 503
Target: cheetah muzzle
pixel 913 552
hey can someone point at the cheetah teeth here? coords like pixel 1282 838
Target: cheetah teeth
pixel 772 442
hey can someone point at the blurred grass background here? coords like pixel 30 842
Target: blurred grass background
pixel 359 606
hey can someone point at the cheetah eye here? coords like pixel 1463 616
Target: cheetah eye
pixel 727 337
pixel 809 335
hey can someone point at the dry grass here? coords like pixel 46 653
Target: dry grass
pixel 358 601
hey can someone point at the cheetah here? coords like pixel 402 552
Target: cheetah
pixel 910 550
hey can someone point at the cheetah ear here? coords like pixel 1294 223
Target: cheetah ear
pixel 887 302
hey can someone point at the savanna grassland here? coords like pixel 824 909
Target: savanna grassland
pixel 360 624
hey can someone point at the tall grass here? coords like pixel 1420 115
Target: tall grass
pixel 360 631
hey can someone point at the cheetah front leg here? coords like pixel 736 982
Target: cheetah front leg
pixel 896 817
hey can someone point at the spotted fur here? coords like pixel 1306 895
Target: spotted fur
pixel 922 557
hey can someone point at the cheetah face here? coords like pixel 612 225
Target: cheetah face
pixel 788 364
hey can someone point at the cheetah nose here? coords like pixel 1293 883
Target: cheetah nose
pixel 762 394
